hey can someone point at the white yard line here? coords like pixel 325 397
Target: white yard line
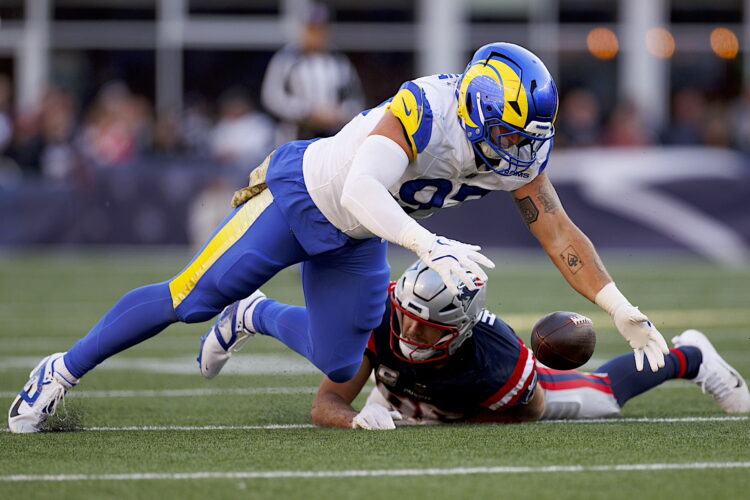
pixel 250 364
pixel 250 391
pixel 645 420
pixel 202 428
pixel 164 428
pixel 323 474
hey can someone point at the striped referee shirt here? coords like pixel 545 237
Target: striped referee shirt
pixel 296 83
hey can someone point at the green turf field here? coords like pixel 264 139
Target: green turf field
pixel 246 433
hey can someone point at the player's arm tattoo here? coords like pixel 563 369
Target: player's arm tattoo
pixel 528 209
pixel 548 199
pixel 572 259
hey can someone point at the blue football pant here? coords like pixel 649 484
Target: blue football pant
pixel 345 293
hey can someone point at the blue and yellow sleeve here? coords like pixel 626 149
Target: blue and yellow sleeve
pixel 412 109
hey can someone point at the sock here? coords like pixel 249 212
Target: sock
pixel 139 315
pixel 62 371
pixel 627 383
pixel 284 323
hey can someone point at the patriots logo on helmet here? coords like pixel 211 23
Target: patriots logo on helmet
pixel 466 295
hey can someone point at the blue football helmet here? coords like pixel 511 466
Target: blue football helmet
pixel 507 104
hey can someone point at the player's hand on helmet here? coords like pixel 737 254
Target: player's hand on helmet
pixel 454 260
pixel 375 417
pixel 642 336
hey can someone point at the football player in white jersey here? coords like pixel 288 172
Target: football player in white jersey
pixel 333 203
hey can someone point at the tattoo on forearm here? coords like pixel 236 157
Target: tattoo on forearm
pixel 572 259
pixel 548 200
pixel 528 209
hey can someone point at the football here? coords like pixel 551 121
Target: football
pixel 563 340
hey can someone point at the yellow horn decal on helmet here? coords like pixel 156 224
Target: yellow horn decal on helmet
pixel 514 92
pixel 479 69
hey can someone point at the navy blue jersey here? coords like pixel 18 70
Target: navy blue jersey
pixel 492 370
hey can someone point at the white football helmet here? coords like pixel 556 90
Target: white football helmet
pixel 421 294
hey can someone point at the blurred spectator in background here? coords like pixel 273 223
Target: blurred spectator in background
pixel 167 132
pixel 26 142
pixel 314 91
pixel 42 143
pixel 58 158
pixel 688 118
pixel 626 127
pixel 739 119
pixel 579 124
pixel 116 128
pixel 716 130
pixel 243 136
pixel 196 126
pixel 6 122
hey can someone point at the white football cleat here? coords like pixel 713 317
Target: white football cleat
pixel 40 396
pixel 228 335
pixel 715 376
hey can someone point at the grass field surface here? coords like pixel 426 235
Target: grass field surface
pixel 149 426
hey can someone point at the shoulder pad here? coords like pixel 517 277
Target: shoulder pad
pixel 411 107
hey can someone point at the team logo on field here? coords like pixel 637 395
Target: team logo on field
pixel 387 375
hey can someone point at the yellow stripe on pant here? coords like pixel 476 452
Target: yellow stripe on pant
pixel 233 230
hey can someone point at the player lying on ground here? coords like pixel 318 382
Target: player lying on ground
pixel 332 203
pixel 441 359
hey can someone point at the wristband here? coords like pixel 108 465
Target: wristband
pixel 609 298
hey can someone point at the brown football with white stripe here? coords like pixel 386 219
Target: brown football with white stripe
pixel 563 340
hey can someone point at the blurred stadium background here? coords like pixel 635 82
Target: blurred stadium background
pixel 112 112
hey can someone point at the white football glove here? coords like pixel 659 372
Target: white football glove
pixel 642 336
pixel 454 260
pixel 375 417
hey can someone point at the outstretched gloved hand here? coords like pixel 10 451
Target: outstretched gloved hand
pixel 642 336
pixel 632 324
pixel 375 417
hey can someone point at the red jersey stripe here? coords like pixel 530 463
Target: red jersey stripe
pixel 575 384
pixel 514 378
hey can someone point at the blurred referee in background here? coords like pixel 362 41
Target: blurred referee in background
pixel 311 89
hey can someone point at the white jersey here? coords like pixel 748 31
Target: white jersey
pixel 443 174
